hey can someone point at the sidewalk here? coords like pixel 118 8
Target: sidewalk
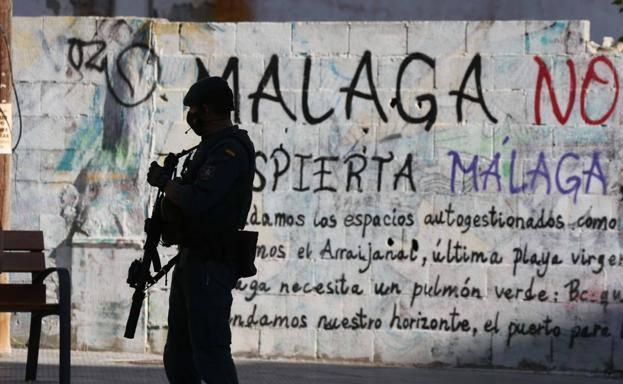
pixel 125 368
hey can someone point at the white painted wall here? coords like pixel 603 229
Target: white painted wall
pixel 89 137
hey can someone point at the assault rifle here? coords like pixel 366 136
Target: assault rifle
pixel 139 276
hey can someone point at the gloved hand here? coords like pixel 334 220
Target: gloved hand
pixel 156 176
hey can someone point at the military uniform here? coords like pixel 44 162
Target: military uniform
pixel 214 196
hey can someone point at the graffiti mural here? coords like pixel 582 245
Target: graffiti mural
pixel 109 157
pixel 420 198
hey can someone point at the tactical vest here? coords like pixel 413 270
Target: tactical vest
pixel 228 216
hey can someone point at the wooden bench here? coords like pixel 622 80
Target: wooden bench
pixel 22 251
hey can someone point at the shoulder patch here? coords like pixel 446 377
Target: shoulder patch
pixel 206 173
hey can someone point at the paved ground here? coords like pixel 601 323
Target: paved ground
pixel 122 368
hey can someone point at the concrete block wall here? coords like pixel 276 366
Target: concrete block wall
pixel 427 192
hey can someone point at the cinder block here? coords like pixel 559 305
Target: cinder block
pixel 474 140
pixel 403 347
pixel 178 72
pixel 208 38
pixel 376 309
pixel 156 339
pixel 597 214
pixel 558 67
pixel 382 39
pixel 20 327
pixel 549 351
pixel 288 343
pixel 347 345
pixel 27 165
pixel 284 275
pixel 30 41
pixel 333 73
pixel 496 37
pixel 265 311
pixel 245 342
pixel 560 243
pixel 55 229
pixel 472 277
pixel 516 72
pixel 169 106
pixel 167 37
pixel 320 39
pixel 338 129
pixel 532 139
pixel 71 99
pixel 82 137
pixel 402 137
pixel 26 205
pixel 314 306
pixel 437 39
pixel 29 95
pixel 600 105
pixel 547 115
pixel 170 137
pixel 157 307
pixel 99 300
pixel 557 37
pixel 507 107
pixel 43 133
pixel 331 270
pixel 451 71
pixel 588 354
pixel 418 75
pixel 404 274
pixel 269 111
pixel 321 236
pixel 291 72
pixel 250 72
pixel 584 141
pixel 263 38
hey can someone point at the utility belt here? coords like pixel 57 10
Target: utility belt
pixel 237 247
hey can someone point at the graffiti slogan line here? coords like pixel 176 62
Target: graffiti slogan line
pixel 80 57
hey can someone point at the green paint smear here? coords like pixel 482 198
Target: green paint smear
pixel 85 146
pixel 506 169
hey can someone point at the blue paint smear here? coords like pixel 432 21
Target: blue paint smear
pixel 85 139
pixel 547 35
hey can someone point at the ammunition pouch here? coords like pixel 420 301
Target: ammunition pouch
pixel 172 223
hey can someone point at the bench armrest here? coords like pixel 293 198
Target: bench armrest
pixel 64 283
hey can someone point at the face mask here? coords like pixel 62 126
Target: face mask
pixel 194 120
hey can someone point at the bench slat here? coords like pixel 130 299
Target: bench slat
pixel 22 294
pixel 23 240
pixel 22 262
pixel 52 308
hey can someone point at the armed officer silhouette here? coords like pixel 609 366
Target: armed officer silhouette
pixel 203 212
